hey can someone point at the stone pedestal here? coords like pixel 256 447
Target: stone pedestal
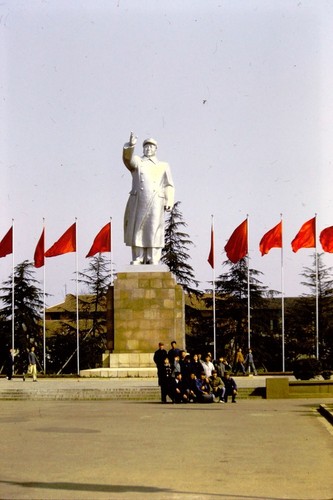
pixel 148 309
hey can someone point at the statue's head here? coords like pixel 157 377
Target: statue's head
pixel 149 147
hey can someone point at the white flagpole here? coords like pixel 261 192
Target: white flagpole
pixel 77 302
pixel 44 305
pixel 317 292
pixel 248 290
pixel 111 253
pixel 213 274
pixel 282 301
pixel 13 289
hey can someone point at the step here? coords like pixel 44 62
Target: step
pixel 117 394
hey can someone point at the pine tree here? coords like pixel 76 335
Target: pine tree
pixel 232 306
pixel 97 279
pixel 325 308
pixel 175 252
pixel 28 306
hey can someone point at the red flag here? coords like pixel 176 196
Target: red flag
pixel 39 252
pixel 211 252
pixel 236 248
pixel 326 239
pixel 102 242
pixel 6 245
pixel 272 239
pixel 306 236
pixel 65 244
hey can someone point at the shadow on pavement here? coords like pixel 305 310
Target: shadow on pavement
pixel 120 488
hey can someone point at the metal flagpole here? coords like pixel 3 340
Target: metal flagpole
pixel 44 304
pixel 111 251
pixel 317 292
pixel 282 300
pixel 13 290
pixel 248 290
pixel 214 305
pixel 77 302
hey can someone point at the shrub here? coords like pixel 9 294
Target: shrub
pixel 306 368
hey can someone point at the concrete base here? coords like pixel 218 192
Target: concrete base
pixel 128 360
pixel 120 372
pixel 149 307
pixel 126 364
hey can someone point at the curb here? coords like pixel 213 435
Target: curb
pixel 326 412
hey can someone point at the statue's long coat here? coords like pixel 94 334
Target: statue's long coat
pixel 152 191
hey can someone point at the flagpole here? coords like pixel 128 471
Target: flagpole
pixel 213 275
pixel 317 292
pixel 77 302
pixel 111 251
pixel 13 290
pixel 44 306
pixel 248 290
pixel 282 299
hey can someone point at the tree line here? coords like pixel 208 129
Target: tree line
pixel 231 305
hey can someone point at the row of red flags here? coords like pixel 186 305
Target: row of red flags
pixel 236 247
pixel 65 244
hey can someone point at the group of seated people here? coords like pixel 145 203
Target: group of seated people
pixel 189 379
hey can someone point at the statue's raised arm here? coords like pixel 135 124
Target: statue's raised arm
pixel 152 192
pixel 132 140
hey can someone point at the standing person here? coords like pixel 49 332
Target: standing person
pixel 207 366
pixel 159 357
pixel 196 366
pixel 230 388
pixel 173 352
pixel 152 194
pixel 176 368
pixel 249 363
pixel 32 358
pixel 186 369
pixel 9 363
pixel 220 367
pixel 239 362
pixel 166 381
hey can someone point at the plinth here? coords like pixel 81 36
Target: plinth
pixel 148 309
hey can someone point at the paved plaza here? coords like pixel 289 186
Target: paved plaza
pixel 255 449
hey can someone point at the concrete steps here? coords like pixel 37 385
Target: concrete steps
pixel 149 393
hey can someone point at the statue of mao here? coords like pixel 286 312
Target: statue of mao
pixel 152 193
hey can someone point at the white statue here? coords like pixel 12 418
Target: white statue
pixel 152 193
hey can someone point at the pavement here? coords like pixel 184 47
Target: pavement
pixel 256 449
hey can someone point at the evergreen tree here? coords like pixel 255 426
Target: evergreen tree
pixel 97 279
pixel 28 306
pixel 175 252
pixel 232 308
pixel 325 308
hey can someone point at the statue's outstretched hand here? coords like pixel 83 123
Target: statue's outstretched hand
pixel 132 140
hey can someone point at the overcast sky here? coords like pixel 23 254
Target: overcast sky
pixel 238 95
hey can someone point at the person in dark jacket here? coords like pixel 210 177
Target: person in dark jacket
pixel 173 352
pixel 179 392
pixel 9 364
pixel 32 358
pixel 230 388
pixel 204 394
pixel 165 381
pixel 196 366
pixel 159 357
